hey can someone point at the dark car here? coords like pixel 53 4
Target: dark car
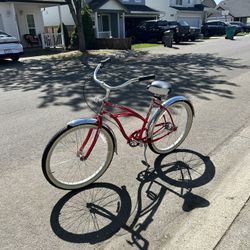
pixel 154 30
pixel 180 29
pixel 194 33
pixel 214 28
pixel 147 31
pixel 241 26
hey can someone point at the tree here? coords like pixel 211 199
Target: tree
pixel 75 7
pixel 88 27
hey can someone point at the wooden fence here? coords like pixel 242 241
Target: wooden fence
pixel 113 43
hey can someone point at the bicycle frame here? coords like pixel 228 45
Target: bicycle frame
pixel 136 136
pixel 139 134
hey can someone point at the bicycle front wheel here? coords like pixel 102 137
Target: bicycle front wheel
pixel 171 127
pixel 63 164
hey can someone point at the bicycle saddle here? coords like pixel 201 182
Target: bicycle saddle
pixel 160 88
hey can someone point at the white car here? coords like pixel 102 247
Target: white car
pixel 10 47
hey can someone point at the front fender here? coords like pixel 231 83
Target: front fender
pixel 166 104
pixel 82 121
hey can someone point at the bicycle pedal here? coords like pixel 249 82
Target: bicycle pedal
pixel 151 195
pixel 134 143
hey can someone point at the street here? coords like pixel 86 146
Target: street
pixel 171 209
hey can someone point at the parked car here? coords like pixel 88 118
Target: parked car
pixel 10 47
pixel 194 33
pixel 154 30
pixel 243 27
pixel 181 30
pixel 216 28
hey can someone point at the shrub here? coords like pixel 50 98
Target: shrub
pixel 74 39
pixel 66 34
pixel 88 26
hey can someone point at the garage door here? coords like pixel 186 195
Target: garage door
pixel 192 21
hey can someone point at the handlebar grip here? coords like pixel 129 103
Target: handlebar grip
pixel 105 61
pixel 144 78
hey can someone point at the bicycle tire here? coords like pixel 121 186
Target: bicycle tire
pixel 170 142
pixel 64 147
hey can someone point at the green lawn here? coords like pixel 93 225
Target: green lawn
pixel 145 45
pixel 242 34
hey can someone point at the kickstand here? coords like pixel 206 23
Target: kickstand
pixel 147 174
pixel 145 162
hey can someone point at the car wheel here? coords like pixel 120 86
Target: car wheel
pixel 192 39
pixel 206 34
pixel 15 58
pixel 134 39
pixel 177 40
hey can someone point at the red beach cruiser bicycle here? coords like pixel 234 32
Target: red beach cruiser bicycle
pixel 81 152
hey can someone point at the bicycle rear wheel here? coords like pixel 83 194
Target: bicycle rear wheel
pixel 171 128
pixel 63 165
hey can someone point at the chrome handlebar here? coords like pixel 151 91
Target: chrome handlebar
pixel 108 88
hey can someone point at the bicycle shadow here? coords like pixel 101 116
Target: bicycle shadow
pixel 96 213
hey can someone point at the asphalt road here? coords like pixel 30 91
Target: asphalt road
pixel 38 97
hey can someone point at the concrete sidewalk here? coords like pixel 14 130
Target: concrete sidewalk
pixel 238 234
pixel 225 225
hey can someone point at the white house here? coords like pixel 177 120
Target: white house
pixel 191 11
pixel 110 17
pixel 22 17
pixel 233 10
pixel 114 17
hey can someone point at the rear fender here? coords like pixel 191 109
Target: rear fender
pixel 166 104
pixel 82 121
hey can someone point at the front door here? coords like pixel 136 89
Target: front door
pixel 31 27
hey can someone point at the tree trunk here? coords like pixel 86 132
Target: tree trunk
pixel 81 36
pixel 75 7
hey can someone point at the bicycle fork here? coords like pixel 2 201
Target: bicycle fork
pixel 86 140
pixel 94 121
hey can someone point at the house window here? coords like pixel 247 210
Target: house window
pixel 1 23
pixel 178 2
pixel 105 19
pixel 31 24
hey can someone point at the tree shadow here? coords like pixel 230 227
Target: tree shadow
pixel 60 81
pixel 96 213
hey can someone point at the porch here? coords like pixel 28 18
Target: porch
pixel 23 20
pixel 108 18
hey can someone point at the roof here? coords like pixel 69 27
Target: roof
pixel 132 8
pixel 239 8
pixel 209 3
pixel 139 8
pixel 197 7
pixel 96 4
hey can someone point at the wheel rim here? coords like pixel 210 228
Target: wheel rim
pixel 64 166
pixel 175 129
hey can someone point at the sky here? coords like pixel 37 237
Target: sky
pixel 217 1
